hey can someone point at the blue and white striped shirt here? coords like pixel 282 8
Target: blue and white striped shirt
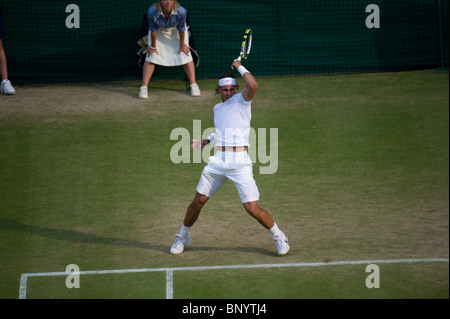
pixel 177 19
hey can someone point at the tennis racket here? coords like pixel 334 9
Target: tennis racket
pixel 246 45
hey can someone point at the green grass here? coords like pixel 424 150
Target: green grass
pixel 117 286
pixel 328 282
pixel 397 281
pixel 86 178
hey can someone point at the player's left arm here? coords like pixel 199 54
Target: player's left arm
pixel 251 85
pixel 199 144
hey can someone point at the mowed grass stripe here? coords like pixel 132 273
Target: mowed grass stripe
pixel 86 176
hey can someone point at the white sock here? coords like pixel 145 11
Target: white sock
pixel 275 230
pixel 184 230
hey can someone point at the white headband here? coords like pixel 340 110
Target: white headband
pixel 227 81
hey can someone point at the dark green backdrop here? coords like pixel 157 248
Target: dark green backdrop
pixel 290 37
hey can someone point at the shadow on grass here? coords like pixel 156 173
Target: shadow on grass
pixel 87 238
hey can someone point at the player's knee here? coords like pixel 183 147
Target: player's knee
pixel 199 201
pixel 253 209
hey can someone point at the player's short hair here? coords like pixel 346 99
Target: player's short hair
pixel 227 75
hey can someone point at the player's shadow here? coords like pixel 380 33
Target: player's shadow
pixel 74 236
pixel 88 238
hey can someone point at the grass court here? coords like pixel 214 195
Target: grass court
pixel 363 174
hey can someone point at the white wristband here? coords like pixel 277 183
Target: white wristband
pixel 242 70
pixel 211 138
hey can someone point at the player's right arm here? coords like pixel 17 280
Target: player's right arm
pixel 251 85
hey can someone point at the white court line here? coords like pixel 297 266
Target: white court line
pixel 169 284
pixel 169 271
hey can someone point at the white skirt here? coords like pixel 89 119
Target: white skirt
pixel 168 44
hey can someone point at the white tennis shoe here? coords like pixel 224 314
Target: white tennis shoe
pixel 179 244
pixel 7 88
pixel 195 90
pixel 143 92
pixel 281 241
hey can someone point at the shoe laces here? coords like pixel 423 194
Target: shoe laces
pixel 280 240
pixel 180 240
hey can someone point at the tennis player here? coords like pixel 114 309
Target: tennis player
pixel 168 43
pixel 231 161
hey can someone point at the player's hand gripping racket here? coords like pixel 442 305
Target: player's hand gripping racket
pixel 246 45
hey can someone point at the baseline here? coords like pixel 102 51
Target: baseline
pixel 169 271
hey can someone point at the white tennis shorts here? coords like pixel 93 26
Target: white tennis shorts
pixel 234 166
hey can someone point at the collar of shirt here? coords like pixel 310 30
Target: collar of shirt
pixel 174 11
pixel 157 19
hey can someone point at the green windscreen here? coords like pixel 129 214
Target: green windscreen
pixel 289 37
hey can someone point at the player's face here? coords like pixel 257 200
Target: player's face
pixel 167 5
pixel 227 92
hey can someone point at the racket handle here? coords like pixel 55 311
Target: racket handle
pixel 239 59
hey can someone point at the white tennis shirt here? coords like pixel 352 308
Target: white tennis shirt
pixel 232 121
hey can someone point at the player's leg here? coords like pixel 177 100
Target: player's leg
pixel 264 218
pixel 184 238
pixel 261 215
pixel 209 183
pixel 249 194
pixel 194 209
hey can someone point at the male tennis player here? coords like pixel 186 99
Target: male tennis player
pixel 231 162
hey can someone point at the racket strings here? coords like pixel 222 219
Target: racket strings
pixel 246 44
